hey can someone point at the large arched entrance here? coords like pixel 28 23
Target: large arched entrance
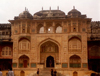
pixel 50 61
pixel 49 53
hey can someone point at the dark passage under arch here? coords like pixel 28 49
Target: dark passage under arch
pixel 50 61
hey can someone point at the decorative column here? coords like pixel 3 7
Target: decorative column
pixel 45 27
pixel 21 27
pixel 26 27
pixel 54 30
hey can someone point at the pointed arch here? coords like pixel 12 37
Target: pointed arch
pixel 49 39
pixel 24 44
pixel 55 43
pixel 94 50
pixel 39 26
pixel 75 61
pixel 22 73
pixel 75 73
pixel 58 28
pixel 77 37
pixel 23 61
pixel 50 29
pixel 74 44
pixel 23 38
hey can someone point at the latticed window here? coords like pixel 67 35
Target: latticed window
pixel 6 51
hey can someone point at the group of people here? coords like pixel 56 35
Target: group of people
pixel 10 72
pixel 53 73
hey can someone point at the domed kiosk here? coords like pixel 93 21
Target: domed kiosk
pixel 24 15
pixel 74 13
pixel 49 14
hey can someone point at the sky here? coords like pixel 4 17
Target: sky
pixel 11 8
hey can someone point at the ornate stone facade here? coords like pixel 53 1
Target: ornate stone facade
pixel 50 39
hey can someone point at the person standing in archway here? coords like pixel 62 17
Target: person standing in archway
pixel 50 63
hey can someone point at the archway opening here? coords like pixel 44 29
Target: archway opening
pixel 93 74
pixel 75 73
pixel 22 73
pixel 23 61
pixel 75 61
pixel 50 61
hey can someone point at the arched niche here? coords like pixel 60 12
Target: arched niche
pixel 94 51
pixel 50 29
pixel 40 28
pixel 75 73
pixel 24 44
pixel 49 46
pixel 58 28
pixel 75 61
pixel 22 73
pixel 23 61
pixel 74 44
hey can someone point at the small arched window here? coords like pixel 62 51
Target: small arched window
pixel 50 29
pixel 59 29
pixel 41 30
pixel 6 51
pixel 75 73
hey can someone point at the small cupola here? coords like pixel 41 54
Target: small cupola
pixel 74 13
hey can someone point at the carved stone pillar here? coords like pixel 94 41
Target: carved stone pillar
pixel 26 28
pixel 45 27
pixel 54 30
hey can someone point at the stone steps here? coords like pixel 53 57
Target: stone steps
pixel 45 72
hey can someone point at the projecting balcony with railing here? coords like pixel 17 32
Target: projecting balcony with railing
pixel 5 37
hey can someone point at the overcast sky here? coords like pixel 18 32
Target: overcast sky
pixel 11 8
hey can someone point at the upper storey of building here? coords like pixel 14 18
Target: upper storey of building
pixel 50 14
pixel 5 31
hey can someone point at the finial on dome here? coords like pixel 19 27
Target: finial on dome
pixel 73 7
pixel 58 8
pixel 25 9
pixel 42 8
pixel 50 7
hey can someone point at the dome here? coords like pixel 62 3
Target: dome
pixel 74 13
pixel 25 14
pixel 49 14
